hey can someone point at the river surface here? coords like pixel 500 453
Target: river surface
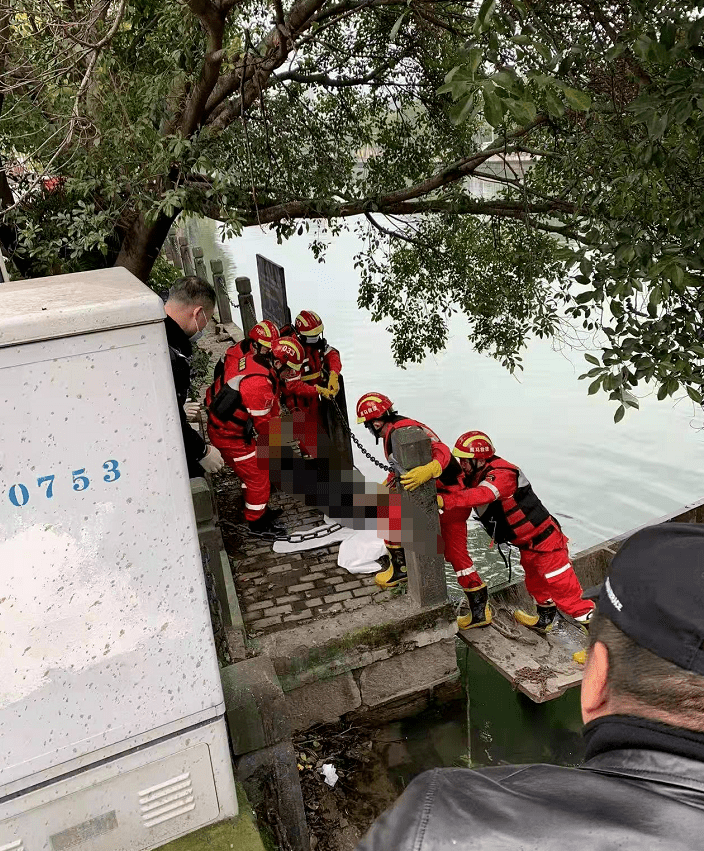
pixel 600 478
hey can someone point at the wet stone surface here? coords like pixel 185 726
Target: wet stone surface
pixel 277 591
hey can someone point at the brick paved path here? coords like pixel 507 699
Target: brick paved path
pixel 280 590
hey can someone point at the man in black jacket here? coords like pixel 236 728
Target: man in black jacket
pixel 189 308
pixel 641 786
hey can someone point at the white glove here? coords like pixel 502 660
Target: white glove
pixel 191 409
pixel 213 461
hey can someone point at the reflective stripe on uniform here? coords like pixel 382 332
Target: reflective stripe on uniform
pixel 258 413
pixel 310 376
pixel 255 507
pixel 465 572
pixel 491 487
pixel 558 572
pixel 245 457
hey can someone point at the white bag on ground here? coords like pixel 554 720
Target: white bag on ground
pixel 359 552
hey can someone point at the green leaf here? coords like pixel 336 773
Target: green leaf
pixel 461 109
pixel 554 104
pixel 662 392
pixel 594 386
pixel 397 26
pixel 694 36
pixel 523 111
pixel 579 101
pixel 620 412
pixel 476 55
pixel 493 108
pixel 592 359
pixel 694 395
pixel 486 11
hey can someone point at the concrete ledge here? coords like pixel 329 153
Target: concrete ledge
pixel 322 702
pixel 255 706
pixel 326 648
pixel 408 673
pixel 202 501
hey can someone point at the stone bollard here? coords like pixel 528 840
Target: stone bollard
pixel 223 299
pixel 186 259
pixel 199 263
pixel 246 300
pixel 260 734
pixel 171 247
pixel 426 573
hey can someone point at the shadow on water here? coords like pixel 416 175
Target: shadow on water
pixel 497 726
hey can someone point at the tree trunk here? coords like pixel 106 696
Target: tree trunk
pixel 142 244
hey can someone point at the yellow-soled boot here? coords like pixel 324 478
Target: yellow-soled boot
pixel 542 622
pixel 479 608
pixel 396 572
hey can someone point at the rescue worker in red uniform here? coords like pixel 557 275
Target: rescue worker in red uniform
pixel 258 342
pixel 377 413
pixel 319 376
pixel 510 511
pixel 241 401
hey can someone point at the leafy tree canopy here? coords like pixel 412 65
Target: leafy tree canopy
pixel 584 202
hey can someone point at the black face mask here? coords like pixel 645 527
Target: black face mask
pixel 370 428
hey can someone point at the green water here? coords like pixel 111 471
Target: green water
pixel 495 726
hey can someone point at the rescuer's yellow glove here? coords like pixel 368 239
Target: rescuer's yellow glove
pixel 333 385
pixel 420 475
pixel 441 502
pixel 323 391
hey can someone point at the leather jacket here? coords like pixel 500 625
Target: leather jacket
pixel 631 799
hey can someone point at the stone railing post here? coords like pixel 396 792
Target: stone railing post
pixel 246 300
pixel 224 311
pixel 426 571
pixel 199 263
pixel 186 259
pixel 171 249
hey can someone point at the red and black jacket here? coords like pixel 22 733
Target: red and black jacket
pixel 227 412
pixel 516 515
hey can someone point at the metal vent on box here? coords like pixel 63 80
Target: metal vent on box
pixel 166 800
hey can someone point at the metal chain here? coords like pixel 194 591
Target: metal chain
pixel 293 538
pixel 357 443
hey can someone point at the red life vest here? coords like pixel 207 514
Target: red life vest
pixel 223 399
pixel 520 517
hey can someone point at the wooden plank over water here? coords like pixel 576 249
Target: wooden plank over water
pixel 540 666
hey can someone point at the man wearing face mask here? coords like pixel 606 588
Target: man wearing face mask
pixel 510 511
pixel 189 308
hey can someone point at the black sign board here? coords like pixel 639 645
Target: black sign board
pixel 272 288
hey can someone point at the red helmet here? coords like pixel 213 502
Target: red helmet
pixel 289 351
pixel 309 324
pixel 473 444
pixel 265 333
pixel 371 406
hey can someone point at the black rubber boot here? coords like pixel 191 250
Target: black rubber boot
pixel 396 572
pixel 542 622
pixel 268 524
pixel 479 608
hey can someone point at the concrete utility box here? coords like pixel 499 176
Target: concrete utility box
pixel 112 732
